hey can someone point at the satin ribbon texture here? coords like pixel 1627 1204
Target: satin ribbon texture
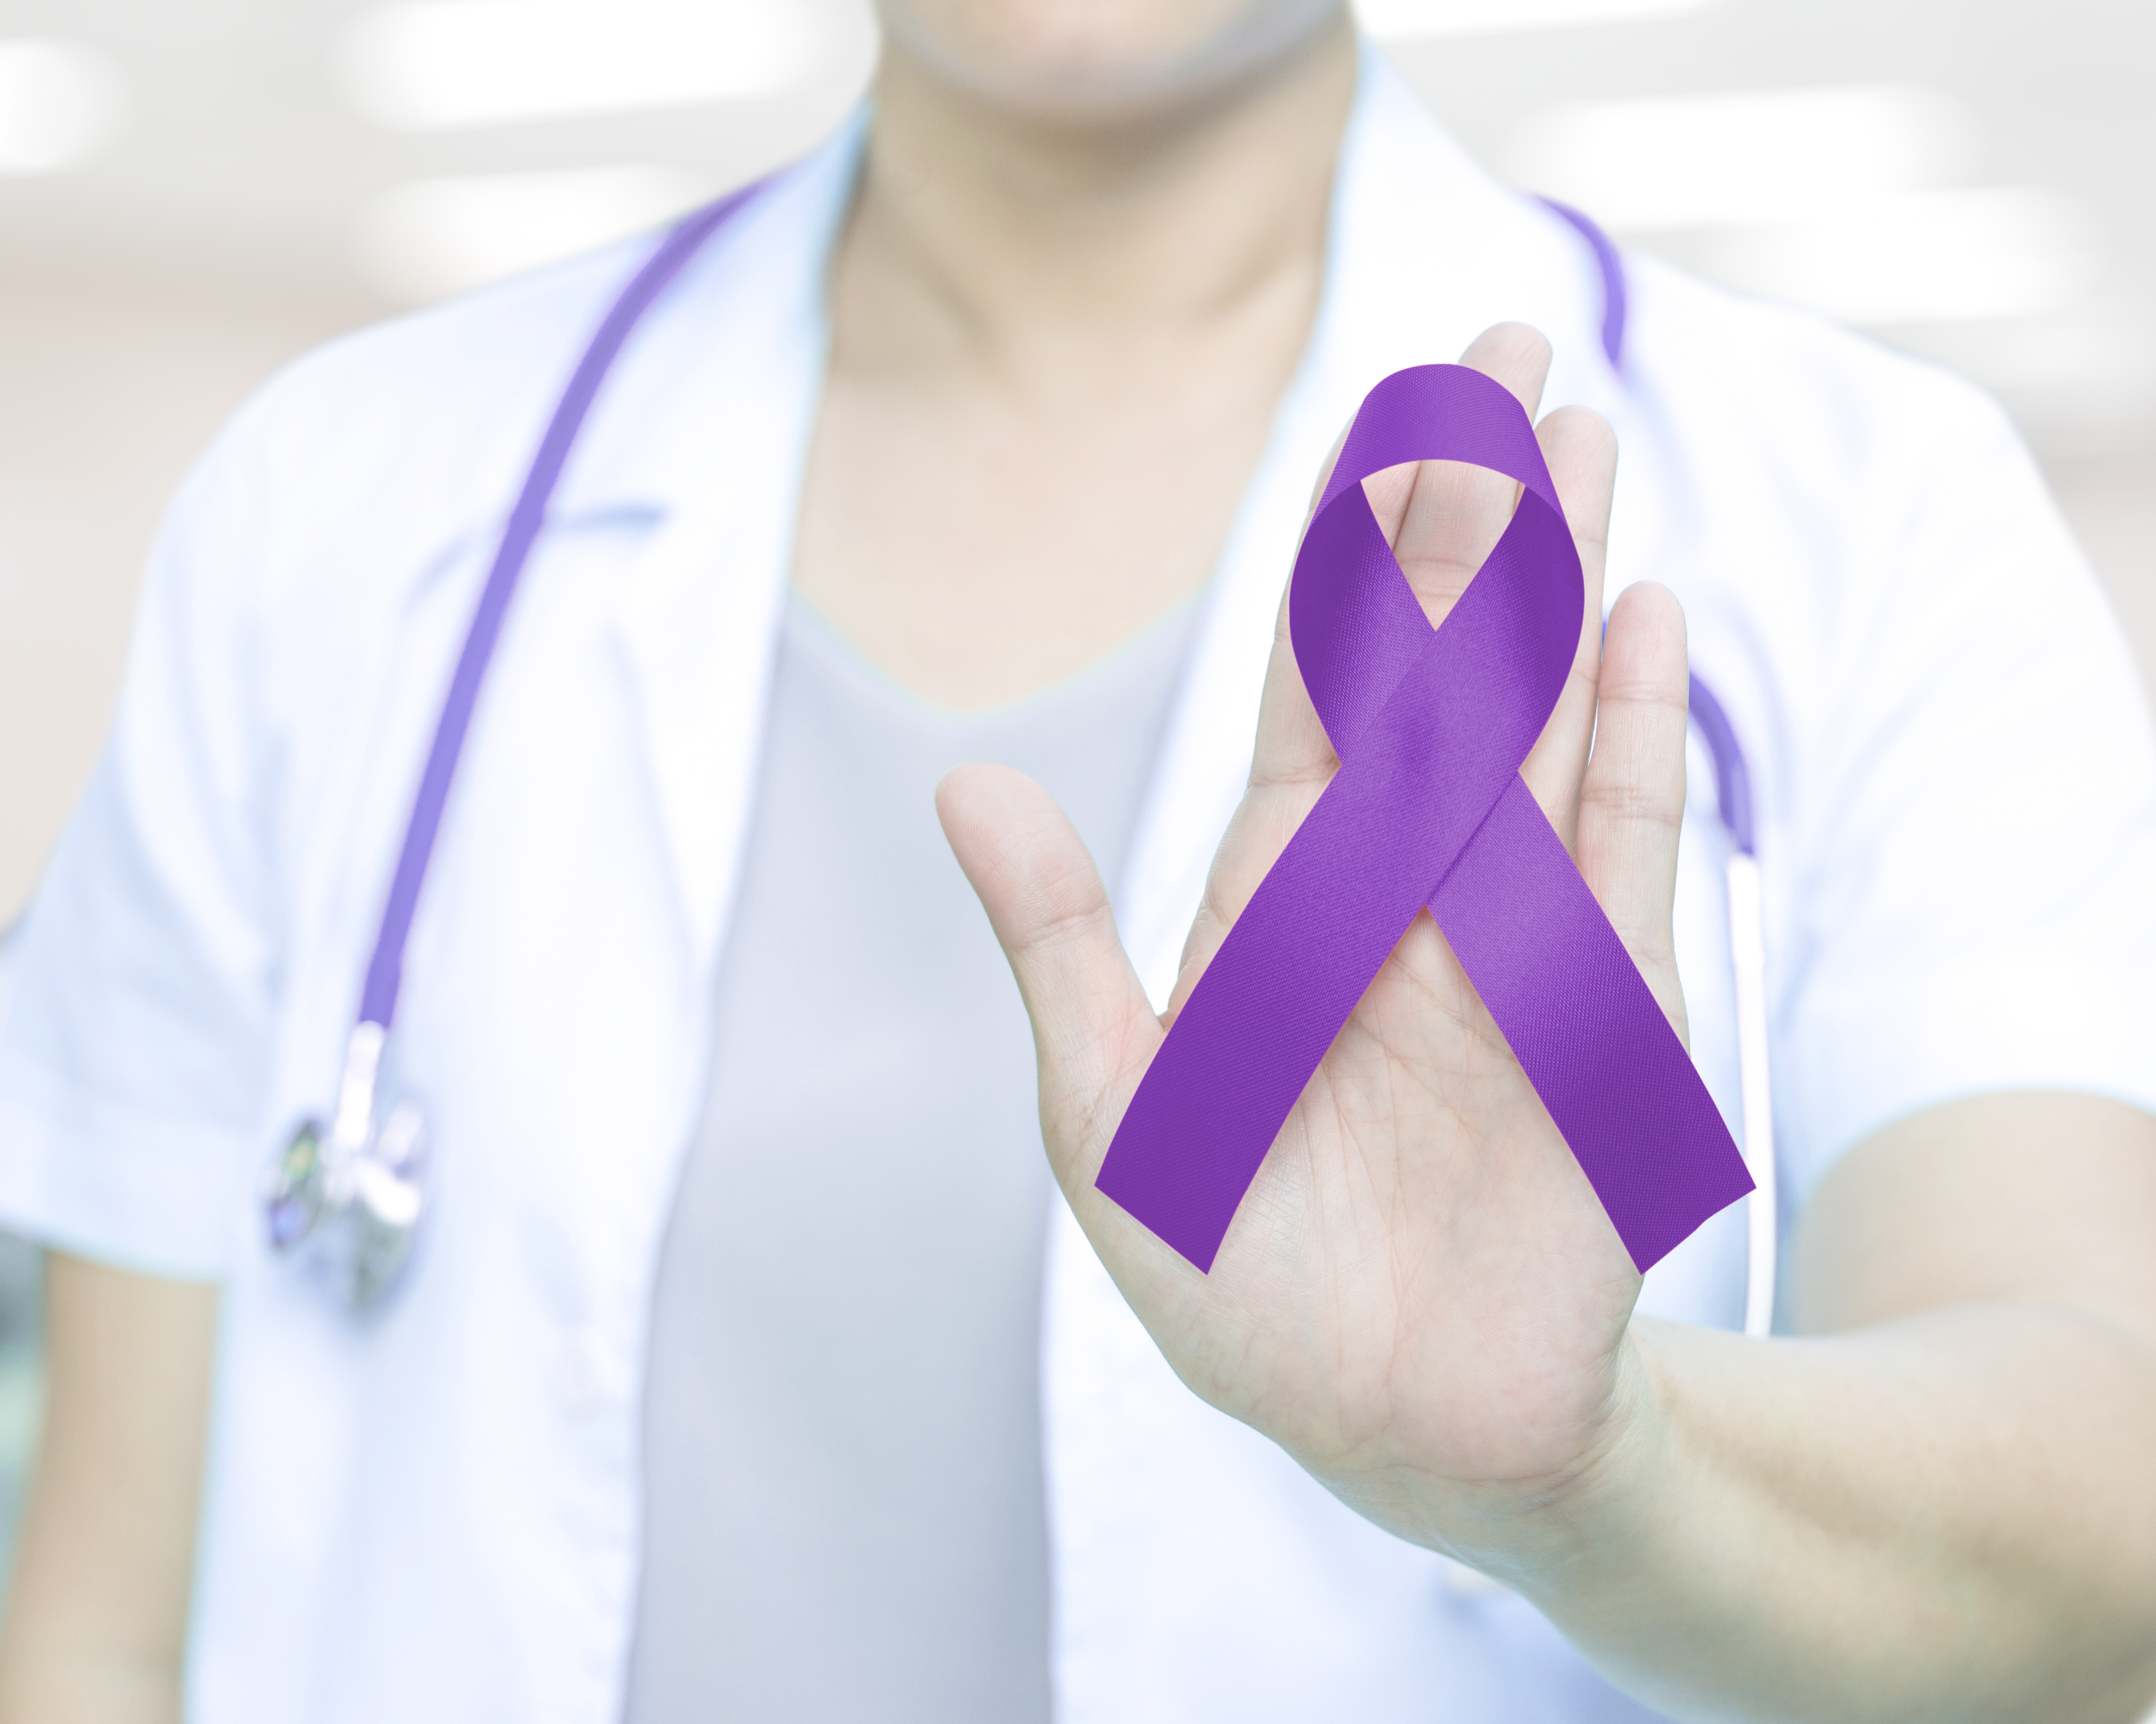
pixel 1428 808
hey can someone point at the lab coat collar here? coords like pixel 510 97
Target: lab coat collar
pixel 701 438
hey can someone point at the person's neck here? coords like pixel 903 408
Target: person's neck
pixel 1051 256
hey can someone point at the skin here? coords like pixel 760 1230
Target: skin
pixel 1042 302
pixel 1083 260
pixel 98 1607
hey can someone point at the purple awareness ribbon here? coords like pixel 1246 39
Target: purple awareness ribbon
pixel 1427 808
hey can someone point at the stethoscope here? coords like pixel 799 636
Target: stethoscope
pixel 347 1199
pixel 1741 887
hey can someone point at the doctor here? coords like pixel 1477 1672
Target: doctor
pixel 751 1366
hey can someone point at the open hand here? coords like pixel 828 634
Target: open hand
pixel 1421 1298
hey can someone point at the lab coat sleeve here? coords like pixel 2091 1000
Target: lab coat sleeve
pixel 135 1037
pixel 1967 838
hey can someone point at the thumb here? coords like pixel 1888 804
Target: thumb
pixel 1094 1031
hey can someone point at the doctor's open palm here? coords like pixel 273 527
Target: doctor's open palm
pixel 1420 1298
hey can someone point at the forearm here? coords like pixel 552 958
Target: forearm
pixel 1949 1516
pixel 44 1683
pixel 96 1618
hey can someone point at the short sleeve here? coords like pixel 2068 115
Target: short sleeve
pixel 1969 899
pixel 134 1037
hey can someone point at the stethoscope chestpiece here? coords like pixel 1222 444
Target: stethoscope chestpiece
pixel 345 1202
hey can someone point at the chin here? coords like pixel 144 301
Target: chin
pixel 1077 60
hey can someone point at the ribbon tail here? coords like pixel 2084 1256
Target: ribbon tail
pixel 1588 1031
pixel 1270 1004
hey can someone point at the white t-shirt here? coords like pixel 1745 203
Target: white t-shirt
pixel 433 1515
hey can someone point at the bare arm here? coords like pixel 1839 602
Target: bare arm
pixel 1942 1503
pixel 96 1617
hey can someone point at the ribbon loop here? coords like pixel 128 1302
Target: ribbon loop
pixel 1428 808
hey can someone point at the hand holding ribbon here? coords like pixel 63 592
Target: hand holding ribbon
pixel 1421 1297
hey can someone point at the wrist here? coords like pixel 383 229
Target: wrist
pixel 1569 1533
pixel 1543 1515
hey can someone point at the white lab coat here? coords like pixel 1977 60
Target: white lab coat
pixel 434 1514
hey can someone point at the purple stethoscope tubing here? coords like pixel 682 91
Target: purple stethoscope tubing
pixel 351 1134
pixel 1748 933
pixel 527 518
pixel 365 1177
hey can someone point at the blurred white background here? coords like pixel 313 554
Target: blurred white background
pixel 190 191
